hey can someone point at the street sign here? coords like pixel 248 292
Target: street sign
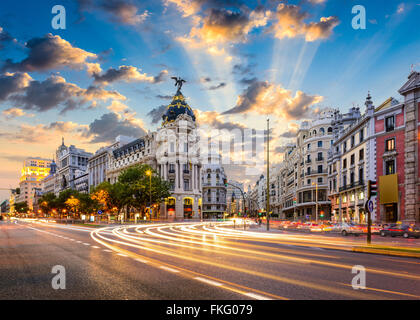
pixel 370 206
pixel 99 211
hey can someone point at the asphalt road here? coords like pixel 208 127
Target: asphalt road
pixel 191 261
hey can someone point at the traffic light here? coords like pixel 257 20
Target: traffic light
pixel 294 200
pixel 322 214
pixel 259 213
pixel 372 189
pixel 225 182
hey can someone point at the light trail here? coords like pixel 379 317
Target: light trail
pixel 153 238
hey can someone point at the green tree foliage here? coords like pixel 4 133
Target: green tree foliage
pixel 138 187
pixel 21 207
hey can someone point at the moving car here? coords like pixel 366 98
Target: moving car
pixel 404 230
pixel 347 228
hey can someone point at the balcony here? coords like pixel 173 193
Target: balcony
pixel 352 185
pixel 320 159
pixel 308 161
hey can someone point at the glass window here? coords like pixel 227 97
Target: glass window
pixel 389 123
pixel 186 184
pixel 390 144
pixel 319 144
pixel 361 154
pixel 361 135
pixel 390 167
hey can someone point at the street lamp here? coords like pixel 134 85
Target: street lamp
pixel 316 199
pixel 149 173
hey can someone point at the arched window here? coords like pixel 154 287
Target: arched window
pixel 322 130
pixel 329 129
pixel 314 132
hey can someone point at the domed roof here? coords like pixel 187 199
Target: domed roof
pixel 177 107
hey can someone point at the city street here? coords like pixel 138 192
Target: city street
pixel 192 261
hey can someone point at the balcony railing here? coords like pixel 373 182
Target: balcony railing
pixel 359 183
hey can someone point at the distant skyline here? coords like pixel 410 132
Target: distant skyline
pixel 109 72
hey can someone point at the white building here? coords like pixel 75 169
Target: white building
pixel 69 161
pixel 173 151
pixel 214 190
pixel 99 163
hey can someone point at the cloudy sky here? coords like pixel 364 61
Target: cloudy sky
pixel 108 72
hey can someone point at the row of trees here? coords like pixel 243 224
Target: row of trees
pixel 136 186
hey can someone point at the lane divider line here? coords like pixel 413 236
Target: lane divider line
pixel 211 282
pixel 169 269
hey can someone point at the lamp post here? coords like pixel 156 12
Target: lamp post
pixel 316 200
pixel 149 173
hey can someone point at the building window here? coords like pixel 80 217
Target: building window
pixel 172 184
pixel 319 144
pixel 361 154
pixel 352 142
pixel 186 184
pixel 361 136
pixel 319 180
pixel 319 156
pixel 171 168
pixel 309 181
pixel 320 168
pixel 361 175
pixel 390 144
pixel 345 164
pixel 309 146
pixel 172 147
pixel 352 159
pixel 389 123
pixel 185 147
pixel 344 146
pixel 390 167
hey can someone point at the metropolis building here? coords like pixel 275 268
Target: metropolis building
pixel 173 152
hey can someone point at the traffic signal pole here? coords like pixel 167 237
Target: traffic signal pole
pixel 371 191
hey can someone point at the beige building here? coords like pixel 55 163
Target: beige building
pixel 33 172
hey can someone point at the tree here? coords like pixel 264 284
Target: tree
pixel 48 202
pixel 111 197
pixel 21 207
pixel 139 187
pixel 73 204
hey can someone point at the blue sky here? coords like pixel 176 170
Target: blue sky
pixel 242 60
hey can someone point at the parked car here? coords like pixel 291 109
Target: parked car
pixel 347 228
pixel 403 230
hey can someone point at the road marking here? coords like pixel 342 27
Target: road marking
pixel 106 250
pixel 122 254
pixel 256 296
pixel 72 240
pixel 168 269
pixel 95 247
pixel 79 241
pixel 86 244
pixel 213 283
pixel 141 260
pixel 317 248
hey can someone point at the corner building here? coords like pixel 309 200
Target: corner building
pixel 173 152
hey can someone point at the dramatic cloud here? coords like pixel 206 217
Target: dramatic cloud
pixel 51 93
pixel 156 113
pixel 192 7
pixel 124 12
pixel 263 98
pixel 222 26
pixel 290 24
pixel 215 120
pixel 120 11
pixel 52 52
pixel 41 133
pixel 13 82
pixel 128 74
pixel 110 125
pixel 15 112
